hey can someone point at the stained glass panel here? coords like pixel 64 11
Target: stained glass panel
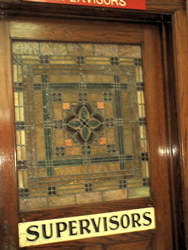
pixel 80 123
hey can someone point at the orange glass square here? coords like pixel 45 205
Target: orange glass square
pixel 102 140
pixel 100 105
pixel 66 105
pixel 68 143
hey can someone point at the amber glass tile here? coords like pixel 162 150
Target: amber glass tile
pixel 123 77
pixel 69 170
pixel 26 48
pixel 134 183
pixel 42 172
pixel 63 200
pixel 141 111
pixel 130 51
pixel 40 144
pixel 106 50
pixel 98 78
pixel 31 61
pixel 84 198
pixel 80 49
pixel 104 183
pixel 32 204
pixel 37 104
pixel 53 49
pixel 37 79
pixel 110 134
pixel 58 138
pixel 20 137
pixel 62 60
pixel 70 98
pixel 144 145
pixel 30 143
pixel 143 132
pixel 17 73
pixel 73 151
pixel 96 150
pixel 127 109
pixel 57 109
pixel 74 188
pixel 129 139
pixel 145 169
pixel 81 123
pixel 104 168
pixel 21 153
pixel 138 192
pixel 64 78
pixel 139 74
pixel 95 97
pixel 19 114
pixel 120 194
pixel 40 188
pixel 109 109
pixel 25 178
pixel 97 61
pixel 20 179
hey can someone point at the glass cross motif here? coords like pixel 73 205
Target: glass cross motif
pixel 84 123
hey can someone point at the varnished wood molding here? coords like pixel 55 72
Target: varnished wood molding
pixel 180 40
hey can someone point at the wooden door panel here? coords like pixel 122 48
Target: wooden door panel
pixel 143 245
pixel 78 31
pixel 96 247
pixel 132 241
pixel 148 36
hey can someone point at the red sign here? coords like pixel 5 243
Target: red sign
pixel 123 4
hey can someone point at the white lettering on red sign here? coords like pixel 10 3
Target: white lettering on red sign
pixel 126 4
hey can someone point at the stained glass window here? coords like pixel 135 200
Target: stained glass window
pixel 80 123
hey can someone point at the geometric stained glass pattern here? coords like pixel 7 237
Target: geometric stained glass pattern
pixel 80 123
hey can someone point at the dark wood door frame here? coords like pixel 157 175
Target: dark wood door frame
pixel 175 54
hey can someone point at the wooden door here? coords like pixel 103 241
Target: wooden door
pixel 90 127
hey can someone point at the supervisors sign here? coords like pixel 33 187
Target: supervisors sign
pixel 125 4
pixel 87 226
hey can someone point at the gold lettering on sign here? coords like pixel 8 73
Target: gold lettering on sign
pixel 80 227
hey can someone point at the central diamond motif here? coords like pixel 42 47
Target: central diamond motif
pixel 84 123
